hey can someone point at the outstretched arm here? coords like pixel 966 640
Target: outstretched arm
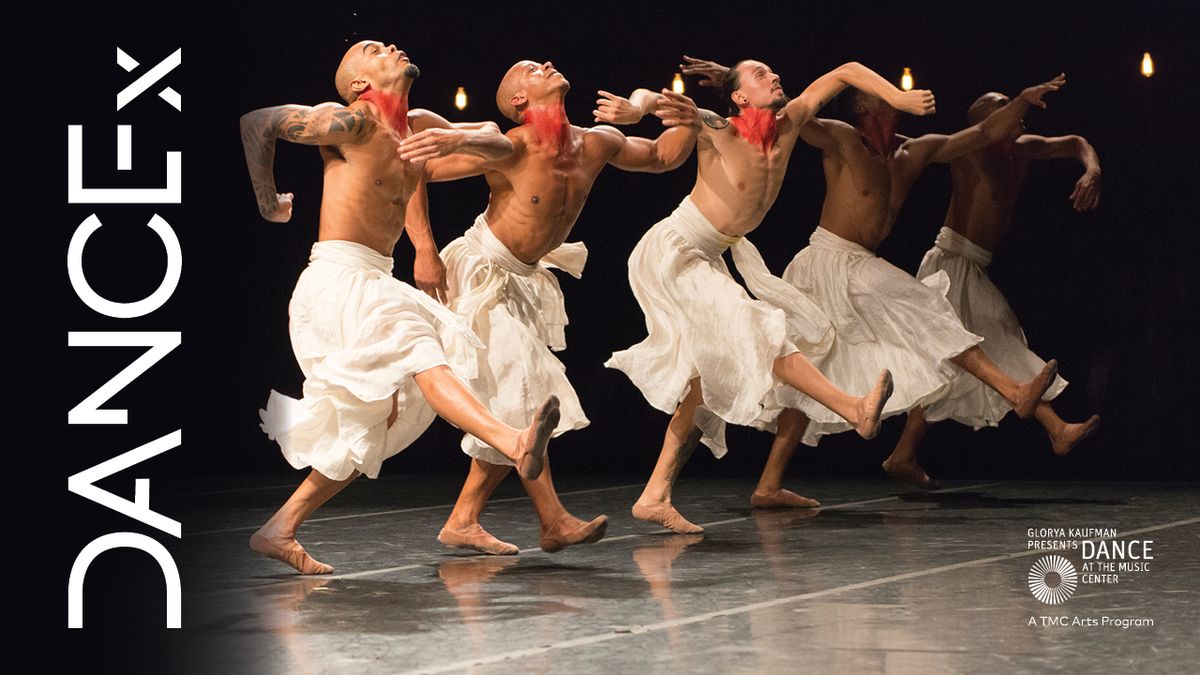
pixel 325 124
pixel 1086 194
pixel 429 272
pixel 664 153
pixel 940 148
pixel 437 137
pixel 805 106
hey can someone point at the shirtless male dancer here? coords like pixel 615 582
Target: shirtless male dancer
pixel 499 280
pixel 987 183
pixel 883 315
pixel 373 363
pixel 713 355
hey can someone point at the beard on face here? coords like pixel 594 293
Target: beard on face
pixel 411 71
pixel 779 102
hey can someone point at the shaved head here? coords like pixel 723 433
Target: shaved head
pixel 348 70
pixel 510 85
pixel 985 105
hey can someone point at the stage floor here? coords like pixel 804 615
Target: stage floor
pixel 877 580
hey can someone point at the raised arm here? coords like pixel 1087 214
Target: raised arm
pixel 805 106
pixel 325 124
pixel 941 148
pixel 1086 194
pixel 665 153
pixel 429 272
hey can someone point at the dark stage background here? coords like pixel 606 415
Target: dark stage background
pixel 1110 293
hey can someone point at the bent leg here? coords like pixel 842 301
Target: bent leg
pixel 654 504
pixel 560 529
pixel 277 538
pixel 862 411
pixel 462 528
pixel 1023 396
pixel 451 399
pixel 1064 436
pixel 902 463
pixel 769 493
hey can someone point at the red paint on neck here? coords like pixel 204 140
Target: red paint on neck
pixel 393 107
pixel 879 137
pixel 549 124
pixel 757 126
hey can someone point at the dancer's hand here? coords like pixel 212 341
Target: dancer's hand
pixel 1087 192
pixel 431 143
pixel 677 110
pixel 615 109
pixel 429 274
pixel 282 211
pixel 1033 95
pixel 712 72
pixel 916 102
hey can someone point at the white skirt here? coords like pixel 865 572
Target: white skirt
pixel 517 310
pixel 983 311
pixel 702 323
pixel 359 335
pixel 884 318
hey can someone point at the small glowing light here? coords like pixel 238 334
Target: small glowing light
pixel 1147 65
pixel 460 99
pixel 677 84
pixel 906 81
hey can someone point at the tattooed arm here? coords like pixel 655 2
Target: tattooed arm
pixel 325 124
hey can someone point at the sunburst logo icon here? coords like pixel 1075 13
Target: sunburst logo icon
pixel 1052 579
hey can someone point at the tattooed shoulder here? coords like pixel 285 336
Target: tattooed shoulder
pixel 713 120
pixel 348 120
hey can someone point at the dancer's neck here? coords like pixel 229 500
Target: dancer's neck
pixel 393 107
pixel 550 125
pixel 757 126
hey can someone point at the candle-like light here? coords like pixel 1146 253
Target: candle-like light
pixel 460 99
pixel 1147 65
pixel 906 81
pixel 677 84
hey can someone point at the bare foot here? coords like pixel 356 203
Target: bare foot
pixel 531 444
pixel 870 407
pixel 1074 434
pixel 473 537
pixel 781 499
pixel 287 550
pixel 910 472
pixel 1030 393
pixel 665 515
pixel 567 530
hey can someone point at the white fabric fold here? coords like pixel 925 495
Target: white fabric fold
pixel 984 311
pixel 702 323
pixel 518 309
pixel 953 242
pixel 359 335
pixel 884 318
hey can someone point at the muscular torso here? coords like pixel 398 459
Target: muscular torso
pixel 986 186
pixel 536 198
pixel 863 190
pixel 736 182
pixel 366 190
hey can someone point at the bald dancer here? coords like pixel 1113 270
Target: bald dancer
pixel 375 373
pixel 714 355
pixel 987 183
pixel 499 277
